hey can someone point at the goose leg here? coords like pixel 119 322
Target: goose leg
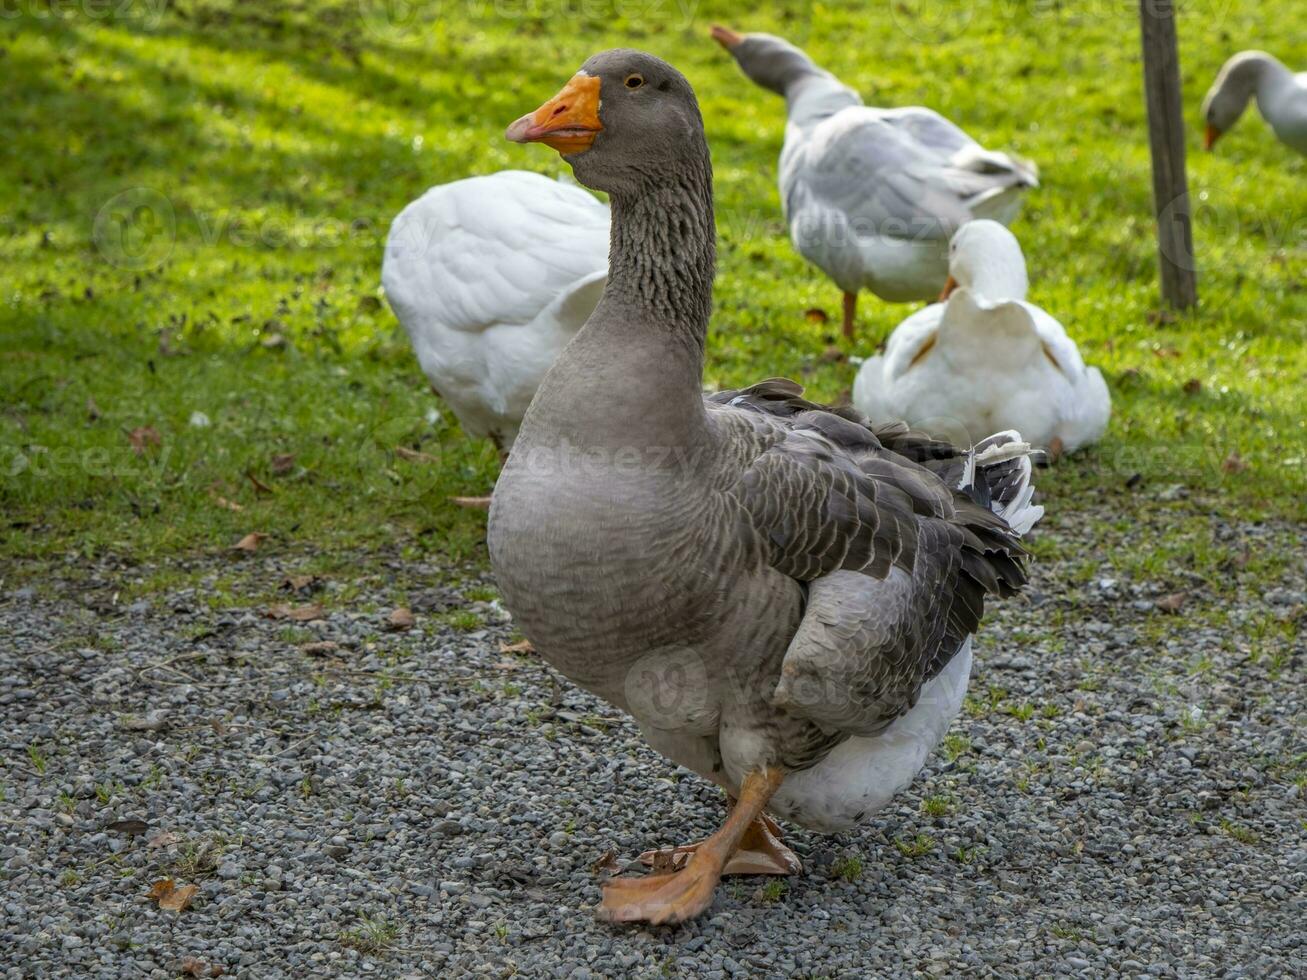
pixel 761 852
pixel 684 894
pixel 850 308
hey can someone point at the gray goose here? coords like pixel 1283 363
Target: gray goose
pixel 871 195
pixel 779 594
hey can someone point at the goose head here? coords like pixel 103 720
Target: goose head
pixel 985 258
pixel 1228 97
pixel 625 119
pixel 769 61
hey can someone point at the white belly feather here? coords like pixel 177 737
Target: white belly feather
pixel 863 774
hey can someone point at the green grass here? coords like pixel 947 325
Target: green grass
pixel 195 194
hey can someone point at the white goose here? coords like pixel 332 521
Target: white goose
pixel 491 276
pixel 985 359
pixel 873 195
pixel 1281 98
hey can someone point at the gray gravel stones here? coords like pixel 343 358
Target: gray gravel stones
pixel 1122 796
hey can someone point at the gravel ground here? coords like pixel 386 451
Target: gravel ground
pixel 1122 796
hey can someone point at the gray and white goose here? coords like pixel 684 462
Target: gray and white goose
pixel 1281 98
pixel 872 196
pixel 779 594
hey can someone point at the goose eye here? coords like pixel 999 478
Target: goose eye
pixel 634 81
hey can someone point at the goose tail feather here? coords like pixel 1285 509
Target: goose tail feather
pixel 998 473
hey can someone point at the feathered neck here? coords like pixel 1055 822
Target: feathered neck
pixel 663 254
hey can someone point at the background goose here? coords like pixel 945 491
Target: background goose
pixel 1281 98
pixel 780 595
pixel 873 195
pixel 490 277
pixel 985 359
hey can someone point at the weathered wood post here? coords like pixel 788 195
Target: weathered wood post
pixel 1175 245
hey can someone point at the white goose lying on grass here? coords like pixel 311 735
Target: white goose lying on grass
pixel 873 195
pixel 983 359
pixel 491 276
pixel 1281 98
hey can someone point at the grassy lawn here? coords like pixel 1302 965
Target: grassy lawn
pixel 194 195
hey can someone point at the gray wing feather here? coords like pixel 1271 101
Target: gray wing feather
pixel 897 558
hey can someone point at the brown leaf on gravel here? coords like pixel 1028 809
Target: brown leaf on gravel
pixel 132 828
pixel 414 456
pixel 170 897
pixel 283 463
pixel 193 966
pixel 1171 603
pixel 298 614
pixel 143 438
pixel 164 838
pixel 400 619
pixel 258 484
pixel 178 898
pixel 321 648
pixel 1234 463
pixel 522 646
pixel 816 315
pixel 607 864
pixel 1192 386
pixel 249 543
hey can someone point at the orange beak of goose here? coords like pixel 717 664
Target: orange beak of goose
pixel 950 284
pixel 724 36
pixel 1210 137
pixel 569 122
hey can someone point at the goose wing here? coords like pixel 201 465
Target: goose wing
pixel 892 533
pixel 906 173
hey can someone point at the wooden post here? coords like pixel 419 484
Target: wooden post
pixel 1175 245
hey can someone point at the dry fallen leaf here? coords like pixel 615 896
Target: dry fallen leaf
pixel 1171 603
pixel 195 967
pixel 400 619
pixel 607 864
pixel 414 456
pixel 300 614
pixel 164 838
pixel 145 437
pixel 170 897
pixel 258 484
pixel 132 828
pixel 816 315
pixel 320 648
pixel 522 646
pixel 250 542
pixel 283 463
pixel 179 898
pixel 1233 463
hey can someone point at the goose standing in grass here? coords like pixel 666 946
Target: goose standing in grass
pixel 781 595
pixel 873 195
pixel 491 276
pixel 983 359
pixel 1281 98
